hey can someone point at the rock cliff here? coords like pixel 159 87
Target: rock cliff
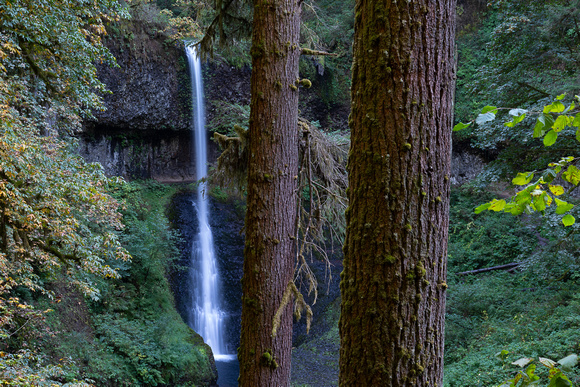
pixel 144 131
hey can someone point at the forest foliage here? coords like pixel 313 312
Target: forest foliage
pixel 84 296
pixel 521 56
pixel 61 223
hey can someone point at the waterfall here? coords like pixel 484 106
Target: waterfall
pixel 204 312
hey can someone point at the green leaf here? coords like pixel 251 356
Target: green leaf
pixel 515 121
pixel 523 178
pixel 547 119
pixel 481 208
pixel 540 201
pixel 497 205
pixel 488 108
pixel 576 121
pixel 560 97
pixel 566 160
pixel 561 122
pixel 549 175
pixel 568 220
pixel 514 209
pixel 550 138
pixel 563 206
pixel 530 373
pixel 539 130
pixel 524 361
pixel 571 107
pixel 572 175
pixel 460 126
pixel 502 355
pixel 483 118
pixel 568 362
pixel 578 134
pixel 559 380
pixel 554 107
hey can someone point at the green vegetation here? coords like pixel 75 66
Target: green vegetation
pixel 83 292
pixel 84 258
pixel 532 311
pixel 227 116
pixel 139 337
pixel 132 335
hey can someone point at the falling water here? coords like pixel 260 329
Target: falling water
pixel 205 315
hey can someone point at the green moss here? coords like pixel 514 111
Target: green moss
pixel 257 50
pixel 389 259
pixel 250 302
pixel 306 83
pixel 268 360
pixel 420 269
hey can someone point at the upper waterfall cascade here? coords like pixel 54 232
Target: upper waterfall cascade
pixel 205 315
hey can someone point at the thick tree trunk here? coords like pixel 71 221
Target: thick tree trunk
pixel 272 198
pixel 393 283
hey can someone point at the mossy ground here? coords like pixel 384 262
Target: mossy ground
pixel 131 336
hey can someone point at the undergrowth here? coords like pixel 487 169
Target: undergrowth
pixel 132 336
pixel 531 311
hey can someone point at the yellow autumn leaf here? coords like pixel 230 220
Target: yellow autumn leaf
pixel 556 189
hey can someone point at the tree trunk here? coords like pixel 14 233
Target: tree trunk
pixel 272 199
pixel 393 283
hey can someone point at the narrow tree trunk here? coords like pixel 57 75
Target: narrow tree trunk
pixel 272 200
pixel 3 233
pixel 393 283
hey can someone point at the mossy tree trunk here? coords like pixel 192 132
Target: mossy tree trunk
pixel 272 197
pixel 393 283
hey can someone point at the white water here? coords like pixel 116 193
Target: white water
pixel 205 315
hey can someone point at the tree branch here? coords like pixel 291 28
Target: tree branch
pixel 500 267
pixel 524 84
pixel 307 51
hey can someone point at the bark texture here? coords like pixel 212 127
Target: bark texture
pixel 271 205
pixel 393 283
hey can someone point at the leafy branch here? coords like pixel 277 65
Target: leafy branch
pixel 540 193
pixel 556 375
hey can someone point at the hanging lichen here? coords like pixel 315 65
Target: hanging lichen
pixel 299 306
pixel 321 195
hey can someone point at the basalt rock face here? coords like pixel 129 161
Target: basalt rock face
pixel 150 88
pixel 161 155
pixel 465 166
pixel 145 130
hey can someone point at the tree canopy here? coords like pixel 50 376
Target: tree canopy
pixel 56 217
